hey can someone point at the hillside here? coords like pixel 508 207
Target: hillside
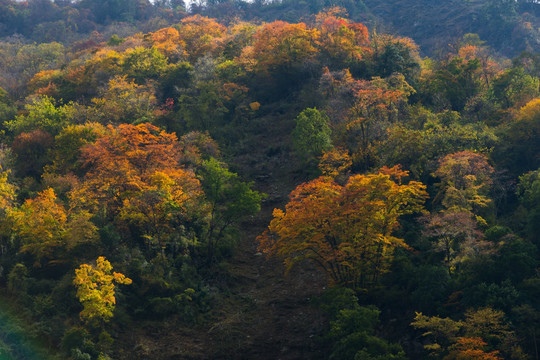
pixel 509 27
pixel 174 186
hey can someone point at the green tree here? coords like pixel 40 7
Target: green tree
pixel 7 110
pixel 7 191
pixel 42 113
pixel 68 144
pixel 311 135
pixel 529 194
pixel 520 149
pixel 123 101
pixel 514 87
pixel 142 64
pixel 354 339
pixel 22 62
pixel 458 80
pixel 441 331
pixel 230 199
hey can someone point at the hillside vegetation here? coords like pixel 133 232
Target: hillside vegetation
pixel 231 189
pixel 509 27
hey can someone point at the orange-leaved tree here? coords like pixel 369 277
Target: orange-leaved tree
pixel 361 110
pixel 340 41
pixel 472 348
pixel 167 41
pixel 200 36
pixel 279 46
pixel 135 175
pixel 120 162
pixel 347 229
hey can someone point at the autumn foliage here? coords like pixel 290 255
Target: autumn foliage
pixel 279 46
pixel 96 289
pixel 346 230
pixel 130 160
pixel 147 148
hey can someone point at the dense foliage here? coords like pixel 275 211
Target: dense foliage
pixel 414 183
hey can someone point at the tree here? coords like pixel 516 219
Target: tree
pixel 143 64
pixel 346 230
pixel 117 161
pixel 125 101
pixel 442 331
pixel 230 200
pixel 311 135
pixel 167 41
pixel 282 54
pixel 389 55
pixel 199 34
pixel 361 110
pixel 134 174
pixel 471 49
pixel 69 143
pixel 84 81
pixel 458 80
pixel 335 162
pixel 45 83
pixel 7 191
pixel 31 150
pixel 437 136
pixel 39 224
pixel 168 199
pixel 483 334
pixel 201 105
pixel 47 231
pixel 374 102
pixel 239 35
pixel 41 114
pixel 456 236
pixel 353 335
pixel 520 151
pixel 7 109
pixel 23 61
pixel 341 42
pixel 528 191
pixel 465 180
pixel 471 348
pixel 487 323
pixel 95 289
pixel 514 87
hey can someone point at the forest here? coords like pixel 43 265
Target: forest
pixel 269 179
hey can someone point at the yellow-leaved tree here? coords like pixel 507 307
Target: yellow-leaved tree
pixel 95 289
pixel 45 229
